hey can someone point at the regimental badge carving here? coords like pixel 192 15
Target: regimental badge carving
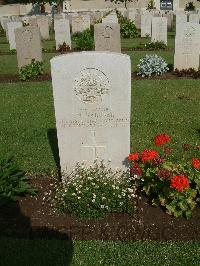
pixel 91 85
pixel 27 35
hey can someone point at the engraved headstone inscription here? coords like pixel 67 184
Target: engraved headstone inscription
pixel 92 97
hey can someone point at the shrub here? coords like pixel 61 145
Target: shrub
pixel 151 5
pixel 151 46
pixel 12 180
pixel 32 70
pixel 152 65
pixel 127 27
pixel 156 45
pixel 63 48
pixel 173 186
pixel 93 192
pixel 190 72
pixel 190 6
pixel 84 41
pixel 13 51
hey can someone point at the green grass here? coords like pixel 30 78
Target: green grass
pixel 15 252
pixel 8 63
pixel 27 118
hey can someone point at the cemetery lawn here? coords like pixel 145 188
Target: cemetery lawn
pixel 42 252
pixel 28 125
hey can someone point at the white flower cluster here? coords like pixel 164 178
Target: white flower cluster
pixel 152 65
pixel 96 187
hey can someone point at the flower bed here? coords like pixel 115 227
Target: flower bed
pixel 174 186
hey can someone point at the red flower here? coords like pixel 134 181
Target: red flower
pixel 136 169
pixel 133 157
pixel 161 139
pixel 149 155
pixel 164 173
pixel 179 182
pixel 196 163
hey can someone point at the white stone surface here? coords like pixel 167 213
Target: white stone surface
pixel 146 20
pixel 107 37
pixel 43 24
pixel 194 18
pixel 159 29
pixel 62 32
pixel 111 18
pixel 80 23
pixel 187 46
pixel 11 33
pixel 92 100
pixel 28 45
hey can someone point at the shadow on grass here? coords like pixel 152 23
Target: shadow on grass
pixel 53 142
pixel 30 245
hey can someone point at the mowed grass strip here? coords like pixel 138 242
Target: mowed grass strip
pixel 27 127
pixel 89 253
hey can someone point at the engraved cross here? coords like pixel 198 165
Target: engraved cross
pixel 92 150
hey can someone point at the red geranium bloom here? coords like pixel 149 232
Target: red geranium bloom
pixel 161 139
pixel 136 169
pixel 196 163
pixel 179 182
pixel 133 157
pixel 149 155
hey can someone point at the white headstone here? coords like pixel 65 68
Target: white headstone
pixel 111 18
pixel 187 46
pixel 194 18
pixel 80 23
pixel 28 45
pixel 43 24
pixel 146 25
pixel 159 29
pixel 107 37
pixel 62 32
pixel 92 100
pixel 11 33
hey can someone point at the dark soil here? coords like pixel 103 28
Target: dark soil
pixel 5 78
pixel 32 217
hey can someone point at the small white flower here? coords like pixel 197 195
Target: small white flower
pixel 102 206
pixel 103 198
pixel 93 200
pixel 119 196
pixel 78 197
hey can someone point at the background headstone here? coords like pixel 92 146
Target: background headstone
pixel 28 45
pixel 107 37
pixel 159 29
pixel 62 32
pixel 194 18
pixel 187 46
pixel 43 24
pixel 11 33
pixel 92 100
pixel 80 23
pixel 146 25
pixel 111 18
